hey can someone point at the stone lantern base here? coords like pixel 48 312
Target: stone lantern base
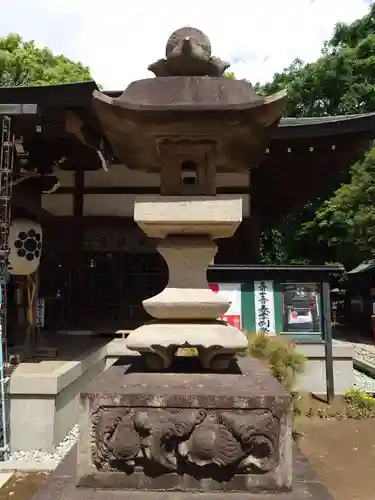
pixel 185 435
pixel 186 431
pixel 216 343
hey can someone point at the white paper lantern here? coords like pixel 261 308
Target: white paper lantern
pixel 25 247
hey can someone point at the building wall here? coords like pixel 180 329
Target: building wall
pixel 117 204
pixel 118 253
pixel 97 206
pixel 123 176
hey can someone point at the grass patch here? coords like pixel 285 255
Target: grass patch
pixel 353 404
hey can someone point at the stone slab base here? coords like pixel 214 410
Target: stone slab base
pixel 61 485
pixel 216 341
pixel 186 431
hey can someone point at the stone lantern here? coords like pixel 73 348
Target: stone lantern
pixel 188 124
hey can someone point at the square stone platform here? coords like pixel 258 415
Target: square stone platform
pixel 186 431
pixel 184 435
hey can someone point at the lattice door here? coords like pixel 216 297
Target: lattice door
pixel 56 273
pixel 121 269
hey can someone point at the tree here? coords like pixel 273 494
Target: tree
pixel 337 225
pixel 341 81
pixel 22 63
pixel 346 221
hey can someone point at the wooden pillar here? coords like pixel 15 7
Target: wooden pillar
pixel 254 228
pixel 76 258
pixel 252 239
pixel 327 336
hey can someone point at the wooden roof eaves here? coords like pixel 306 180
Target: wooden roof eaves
pixel 69 95
pixel 65 95
pixel 311 127
pixel 294 128
pixel 287 273
pixel 324 268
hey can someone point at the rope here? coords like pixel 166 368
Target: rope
pixel 30 313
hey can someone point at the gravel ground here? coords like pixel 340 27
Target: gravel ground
pixel 40 456
pixel 363 382
pixel 365 353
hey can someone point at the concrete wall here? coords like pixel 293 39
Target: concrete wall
pixel 44 399
pixel 314 378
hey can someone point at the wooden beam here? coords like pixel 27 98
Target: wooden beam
pixel 53 96
pixel 26 197
pixel 77 256
pixel 140 190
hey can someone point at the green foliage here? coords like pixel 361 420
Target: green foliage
pixel 284 361
pixel 273 247
pixel 360 404
pixel 346 221
pixel 281 356
pixel 341 81
pixel 23 63
pixel 339 224
pixel 359 398
pixel 354 404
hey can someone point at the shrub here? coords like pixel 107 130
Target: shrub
pixel 283 361
pixel 281 356
pixel 361 404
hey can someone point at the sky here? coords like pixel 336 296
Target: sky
pixel 118 39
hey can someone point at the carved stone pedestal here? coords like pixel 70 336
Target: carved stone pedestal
pixel 186 431
pixel 184 436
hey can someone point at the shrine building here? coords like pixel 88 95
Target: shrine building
pixel 96 265
pixel 82 265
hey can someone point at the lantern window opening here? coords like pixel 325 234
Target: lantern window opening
pixel 189 173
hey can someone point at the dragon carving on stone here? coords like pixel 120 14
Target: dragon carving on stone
pixel 244 442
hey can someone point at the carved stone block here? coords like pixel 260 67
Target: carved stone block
pixel 186 431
